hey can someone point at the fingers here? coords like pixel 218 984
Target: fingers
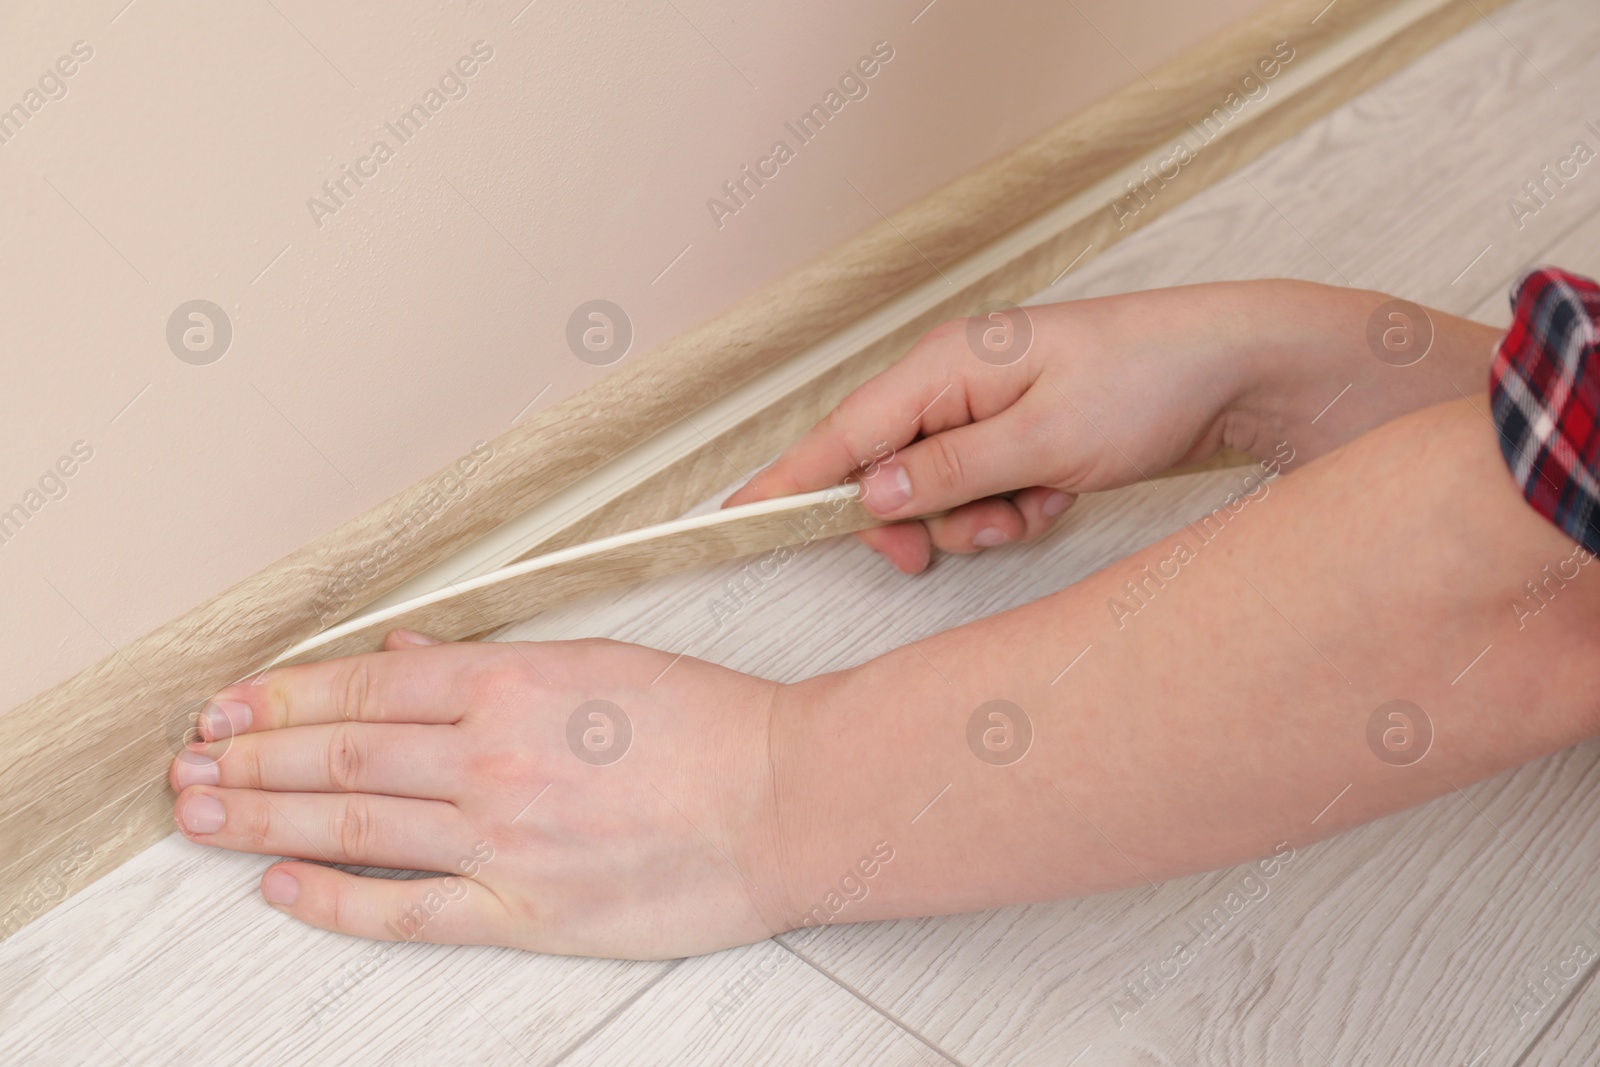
pixel 987 523
pixel 396 759
pixel 355 828
pixel 937 385
pixel 905 544
pixel 996 521
pixel 418 685
pixel 453 910
pixel 867 426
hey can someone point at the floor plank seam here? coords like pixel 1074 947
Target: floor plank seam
pixel 1557 241
pixel 894 1020
pixel 1504 282
pixel 611 1016
pixel 1557 1015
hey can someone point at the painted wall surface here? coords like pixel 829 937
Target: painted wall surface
pixel 385 307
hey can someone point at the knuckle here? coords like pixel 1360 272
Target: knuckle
pixel 944 333
pixel 943 351
pixel 502 680
pixel 346 761
pixel 861 405
pixel 257 828
pixel 1035 421
pixel 501 770
pixel 354 829
pixel 336 907
pixel 832 436
pixel 839 417
pixel 354 688
pixel 513 670
pixel 247 764
pixel 944 461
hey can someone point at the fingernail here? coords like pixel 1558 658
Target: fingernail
pixel 411 637
pixel 887 489
pixel 196 768
pixel 203 814
pixel 280 887
pixel 990 537
pixel 224 718
pixel 1055 504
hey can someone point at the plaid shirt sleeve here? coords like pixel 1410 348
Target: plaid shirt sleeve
pixel 1545 399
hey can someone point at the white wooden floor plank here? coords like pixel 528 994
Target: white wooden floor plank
pixel 1407 185
pixel 1404 187
pixel 1577 250
pixel 754 1005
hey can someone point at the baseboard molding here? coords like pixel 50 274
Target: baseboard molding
pixel 731 437
pixel 82 766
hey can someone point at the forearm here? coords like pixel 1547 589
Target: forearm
pixel 1220 712
pixel 1322 363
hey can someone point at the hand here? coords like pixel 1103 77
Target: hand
pixel 1110 392
pixel 456 759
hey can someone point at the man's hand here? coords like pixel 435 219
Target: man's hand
pixel 583 798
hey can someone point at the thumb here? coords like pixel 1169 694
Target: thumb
pixel 954 467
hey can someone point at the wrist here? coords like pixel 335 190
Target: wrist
pixel 1300 344
pixel 1317 378
pixel 794 771
pixel 752 804
pixel 840 750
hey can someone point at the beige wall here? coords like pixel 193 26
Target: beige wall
pixel 376 342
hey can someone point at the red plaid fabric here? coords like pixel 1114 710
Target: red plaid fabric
pixel 1545 399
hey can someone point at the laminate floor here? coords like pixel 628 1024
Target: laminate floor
pixel 1416 939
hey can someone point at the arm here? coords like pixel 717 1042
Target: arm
pixel 704 808
pixel 1114 390
pixel 1222 717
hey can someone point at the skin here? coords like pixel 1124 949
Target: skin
pixel 1112 391
pixel 1207 727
